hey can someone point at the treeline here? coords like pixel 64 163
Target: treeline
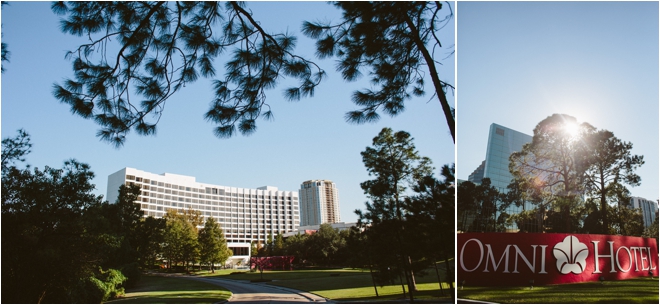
pixel 327 247
pixel 571 178
pixel 406 229
pixel 63 244
pixel 482 208
pixel 408 221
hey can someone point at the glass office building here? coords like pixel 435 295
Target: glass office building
pixel 502 142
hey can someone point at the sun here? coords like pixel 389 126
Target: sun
pixel 571 129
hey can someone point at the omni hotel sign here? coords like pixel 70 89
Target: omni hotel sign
pixel 498 259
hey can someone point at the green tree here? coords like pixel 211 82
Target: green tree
pixel 553 166
pixel 612 165
pixel 180 239
pixel 396 165
pixel 253 248
pixel 394 41
pixel 150 238
pixel 267 249
pixel 478 208
pixel 139 54
pixel 194 217
pixel 625 220
pixel 278 245
pixel 164 45
pixel 14 149
pixel 296 246
pixel 356 248
pixel 5 49
pixel 520 195
pixel 64 244
pixel 652 230
pixel 324 245
pixel 430 217
pixel 382 247
pixel 50 240
pixel 129 213
pixel 124 217
pixel 212 244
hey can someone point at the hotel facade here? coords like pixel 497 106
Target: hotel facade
pixel 245 214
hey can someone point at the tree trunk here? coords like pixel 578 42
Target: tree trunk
pixel 433 72
pixel 449 272
pixel 412 275
pixel 403 288
pixel 371 272
pixel 408 282
pixel 41 297
pixel 603 204
pixel 437 274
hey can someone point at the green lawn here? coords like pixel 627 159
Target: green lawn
pixel 154 289
pixel 640 290
pixel 342 284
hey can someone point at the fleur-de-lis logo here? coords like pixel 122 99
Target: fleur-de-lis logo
pixel 571 255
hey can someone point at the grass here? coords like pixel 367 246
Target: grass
pixel 342 284
pixel 639 290
pixel 154 289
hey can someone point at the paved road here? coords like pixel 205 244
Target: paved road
pixel 468 301
pixel 244 292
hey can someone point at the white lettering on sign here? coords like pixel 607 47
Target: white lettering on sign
pixel 597 257
pixel 618 264
pixel 481 255
pixel 505 256
pixel 648 250
pixel 642 259
pixel 531 266
pixel 633 259
pixel 570 257
pixel 489 256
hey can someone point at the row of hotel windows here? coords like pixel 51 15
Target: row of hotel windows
pixel 254 224
pixel 208 190
pixel 261 206
pixel 145 190
pixel 233 213
pixel 244 227
pixel 160 204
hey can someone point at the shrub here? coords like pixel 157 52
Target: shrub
pixel 105 286
pixel 88 291
pixel 133 273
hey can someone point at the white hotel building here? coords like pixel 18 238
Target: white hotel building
pixel 245 215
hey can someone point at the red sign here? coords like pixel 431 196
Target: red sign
pixel 512 259
pixel 272 262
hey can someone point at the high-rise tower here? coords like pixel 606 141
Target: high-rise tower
pixel 319 202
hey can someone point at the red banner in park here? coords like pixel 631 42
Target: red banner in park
pixel 272 262
pixel 512 259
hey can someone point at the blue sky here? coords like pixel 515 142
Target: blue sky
pixel 308 139
pixel 520 62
